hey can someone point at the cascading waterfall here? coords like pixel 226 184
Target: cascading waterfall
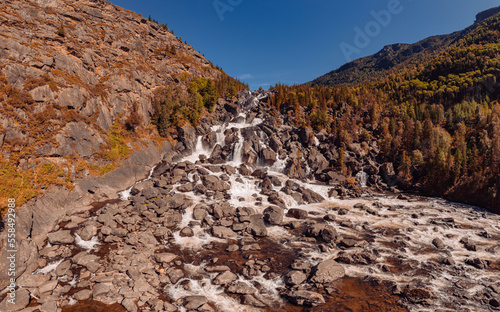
pixel 238 149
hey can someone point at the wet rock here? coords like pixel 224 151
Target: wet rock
pixel 88 232
pixel 311 196
pixel 188 187
pixel 252 301
pixel 296 169
pixel 241 288
pixel 260 173
pixel 301 266
pixel 223 232
pixel 295 278
pixel 61 237
pixel 275 142
pixel 218 155
pixel 257 226
pixel 322 231
pixel 418 295
pixel 186 232
pixel 199 213
pixel 225 278
pixel 100 289
pixel 49 306
pixel 213 183
pixel 275 199
pixel 177 201
pixel 194 302
pixel 304 298
pixel 200 188
pixel 438 243
pixel 243 170
pixel 297 213
pixel 187 135
pixel 495 302
pixel 327 271
pixel 223 210
pixel 477 263
pixel 274 215
pixel 175 275
pixel 250 157
pixel 269 156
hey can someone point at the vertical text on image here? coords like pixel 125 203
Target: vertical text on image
pixel 11 249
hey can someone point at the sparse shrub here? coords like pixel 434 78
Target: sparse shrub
pixel 134 120
pixel 60 32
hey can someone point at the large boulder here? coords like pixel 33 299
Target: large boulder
pixel 269 156
pixel 310 196
pixel 322 231
pixel 249 155
pixel 304 298
pixel 214 184
pixel 257 226
pixel 327 272
pixel 187 135
pixel 61 237
pixel 223 232
pixel 274 215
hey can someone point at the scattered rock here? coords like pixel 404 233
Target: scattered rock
pixel 327 271
pixel 274 215
pixel 61 237
pixel 305 298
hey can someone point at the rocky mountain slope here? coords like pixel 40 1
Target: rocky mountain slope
pixel 72 74
pixel 235 220
pixel 396 57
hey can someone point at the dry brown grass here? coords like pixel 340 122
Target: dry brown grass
pixel 31 83
pixel 70 79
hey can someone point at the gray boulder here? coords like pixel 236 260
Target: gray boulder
pixel 305 298
pixel 257 226
pixel 327 271
pixel 61 237
pixel 274 215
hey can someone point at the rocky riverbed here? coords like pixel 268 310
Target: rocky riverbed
pixel 248 216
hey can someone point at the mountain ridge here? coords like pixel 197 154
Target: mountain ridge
pixel 396 56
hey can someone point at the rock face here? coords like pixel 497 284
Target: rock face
pixel 77 79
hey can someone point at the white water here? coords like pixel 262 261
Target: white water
pixel 88 245
pixel 125 195
pixel 49 268
pixel 393 233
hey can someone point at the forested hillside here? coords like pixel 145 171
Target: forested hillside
pixel 438 122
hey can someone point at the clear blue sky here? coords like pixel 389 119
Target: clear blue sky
pixel 264 42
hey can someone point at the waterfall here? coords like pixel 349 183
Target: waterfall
pixel 238 149
pixel 124 195
pixel 362 178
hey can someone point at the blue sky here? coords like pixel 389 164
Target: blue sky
pixel 264 42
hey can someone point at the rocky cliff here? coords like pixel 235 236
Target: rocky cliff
pixel 69 71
